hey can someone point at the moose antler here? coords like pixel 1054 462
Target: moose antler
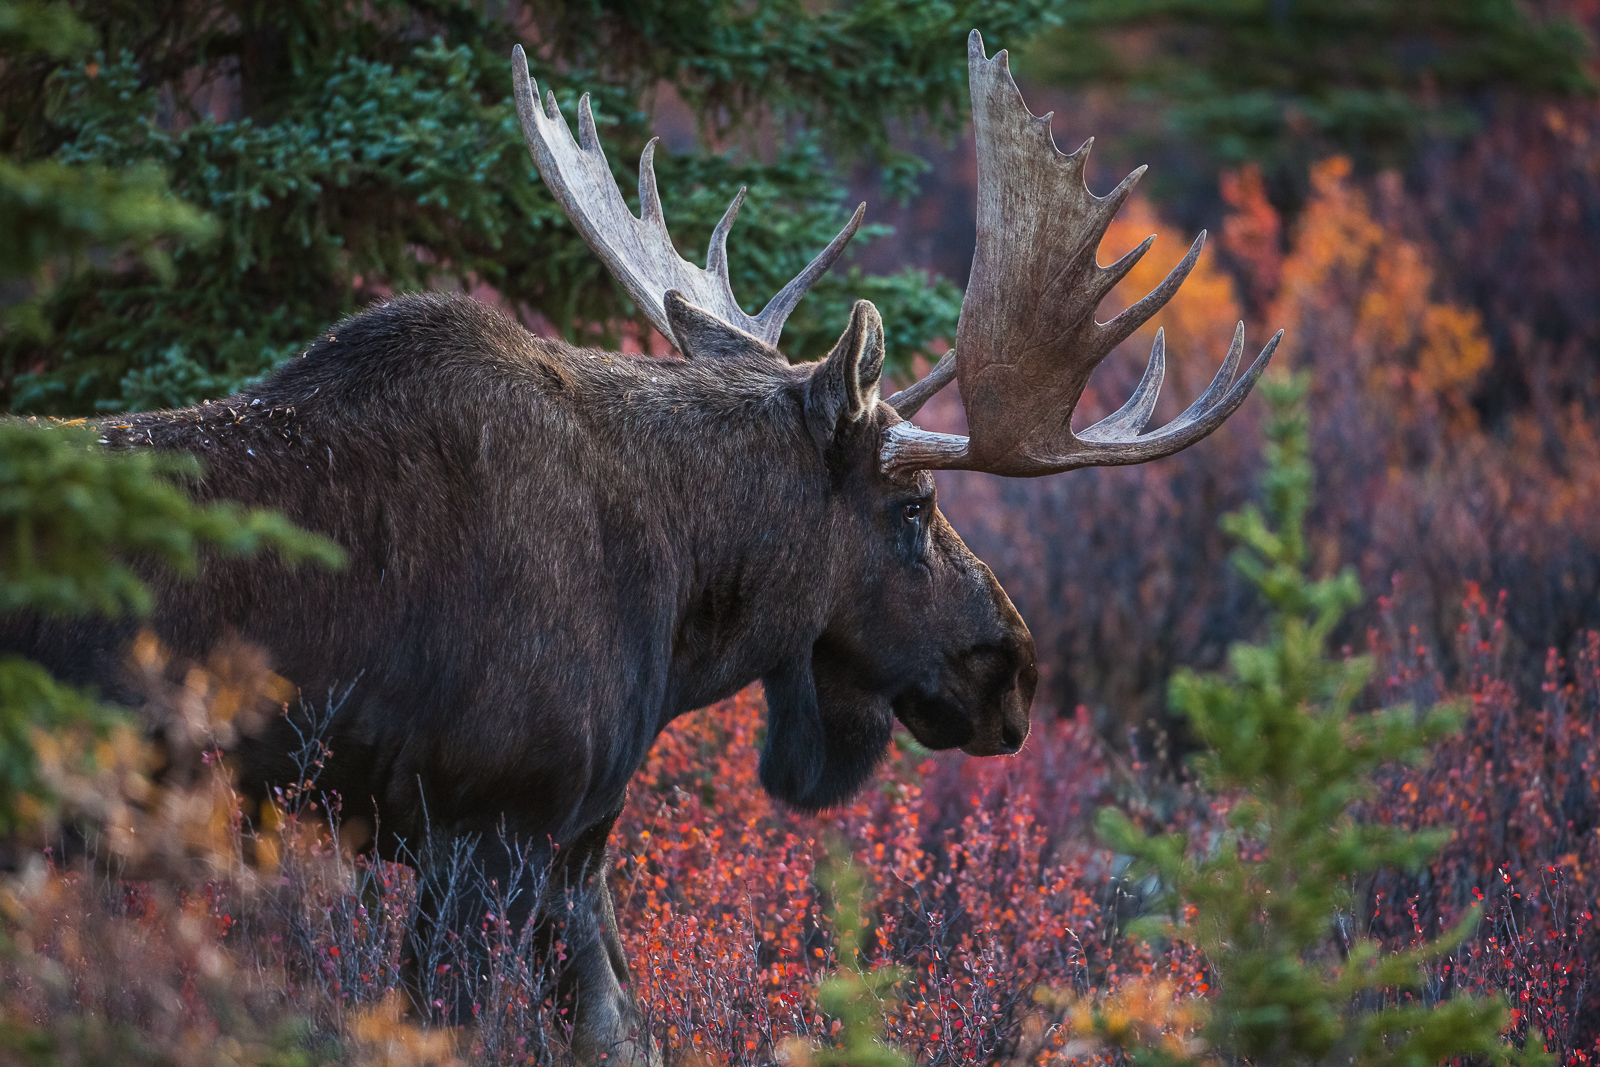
pixel 1027 339
pixel 638 251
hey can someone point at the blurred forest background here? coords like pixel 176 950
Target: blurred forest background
pixel 1408 188
pixel 192 189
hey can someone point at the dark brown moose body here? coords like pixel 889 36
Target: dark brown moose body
pixel 554 551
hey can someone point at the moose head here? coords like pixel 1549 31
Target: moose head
pixel 915 627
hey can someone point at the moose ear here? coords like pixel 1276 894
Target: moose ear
pixel 701 335
pixel 845 385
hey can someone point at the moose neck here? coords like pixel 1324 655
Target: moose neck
pixel 738 517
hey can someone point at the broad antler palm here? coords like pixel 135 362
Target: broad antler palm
pixel 638 251
pixel 1027 340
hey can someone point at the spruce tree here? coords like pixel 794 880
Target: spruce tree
pixel 354 148
pixel 73 517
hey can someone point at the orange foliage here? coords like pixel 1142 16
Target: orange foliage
pixel 1363 292
pixel 985 893
pixel 1252 233
pixel 1144 1013
pixel 1198 321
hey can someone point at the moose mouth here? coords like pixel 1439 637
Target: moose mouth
pixel 938 723
pixel 978 703
pixel 935 721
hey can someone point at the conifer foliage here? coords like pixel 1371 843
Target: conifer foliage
pixel 73 516
pixel 351 149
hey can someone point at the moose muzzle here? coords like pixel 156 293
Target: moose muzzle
pixel 1002 725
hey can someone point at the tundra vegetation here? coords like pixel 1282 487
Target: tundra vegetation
pixel 996 925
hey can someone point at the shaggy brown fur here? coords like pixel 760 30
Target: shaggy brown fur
pixel 553 552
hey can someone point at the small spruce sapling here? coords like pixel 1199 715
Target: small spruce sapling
pixel 1275 896
pixel 852 995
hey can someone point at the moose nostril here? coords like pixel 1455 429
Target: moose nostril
pixel 1010 737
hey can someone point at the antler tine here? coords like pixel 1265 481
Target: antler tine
pixel 1135 315
pixel 638 251
pixel 1223 379
pixel 1132 416
pixel 649 196
pixel 717 249
pixel 779 307
pixel 1197 421
pixel 1027 338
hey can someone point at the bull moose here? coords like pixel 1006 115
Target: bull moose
pixel 554 551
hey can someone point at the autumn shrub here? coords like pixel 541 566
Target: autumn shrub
pixel 986 892
pixel 180 925
pixel 259 932
pixel 1515 215
pixel 974 884
pixel 1518 791
pixel 971 899
pixel 114 948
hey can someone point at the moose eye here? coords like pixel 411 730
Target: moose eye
pixel 912 512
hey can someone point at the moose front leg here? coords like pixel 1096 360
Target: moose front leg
pixel 607 1021
pixel 448 967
